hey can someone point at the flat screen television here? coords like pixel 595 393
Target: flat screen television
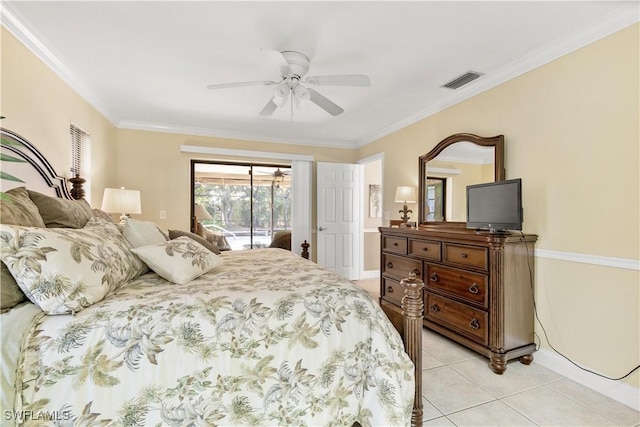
pixel 495 206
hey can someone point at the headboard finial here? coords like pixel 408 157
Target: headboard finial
pixel 77 192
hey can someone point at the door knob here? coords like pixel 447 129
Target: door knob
pixel 321 228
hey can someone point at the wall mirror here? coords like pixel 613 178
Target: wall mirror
pixel 457 161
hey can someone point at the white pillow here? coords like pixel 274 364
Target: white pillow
pixel 179 260
pixel 142 233
pixel 64 270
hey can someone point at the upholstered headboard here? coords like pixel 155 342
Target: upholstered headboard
pixel 22 161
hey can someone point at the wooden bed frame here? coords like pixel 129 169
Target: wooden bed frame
pixel 408 320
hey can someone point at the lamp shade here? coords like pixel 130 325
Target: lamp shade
pixel 405 194
pixel 201 213
pixel 119 200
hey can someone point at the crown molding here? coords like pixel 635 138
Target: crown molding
pixel 9 18
pixel 626 15
pixel 232 134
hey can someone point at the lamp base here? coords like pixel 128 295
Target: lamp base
pixel 405 213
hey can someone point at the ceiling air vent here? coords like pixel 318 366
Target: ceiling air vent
pixel 462 80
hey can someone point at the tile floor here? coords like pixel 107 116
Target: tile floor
pixel 459 389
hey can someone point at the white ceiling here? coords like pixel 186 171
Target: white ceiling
pixel 146 64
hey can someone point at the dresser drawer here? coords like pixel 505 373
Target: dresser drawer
pixel 472 256
pixel 471 287
pixel 466 320
pixel 392 290
pixel 393 244
pixel 425 249
pixel 400 267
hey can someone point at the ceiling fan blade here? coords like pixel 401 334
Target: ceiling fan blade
pixel 269 108
pixel 325 103
pixel 278 61
pixel 340 80
pixel 240 84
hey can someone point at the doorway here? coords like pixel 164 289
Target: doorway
pixel 373 214
pixel 248 204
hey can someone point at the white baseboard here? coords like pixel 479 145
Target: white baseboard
pixel 617 390
pixel 370 274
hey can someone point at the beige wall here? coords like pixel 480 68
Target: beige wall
pixel 152 163
pixel 39 106
pixel 572 134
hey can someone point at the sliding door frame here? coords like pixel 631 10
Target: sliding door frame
pixel 248 164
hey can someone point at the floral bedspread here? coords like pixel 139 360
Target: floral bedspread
pixel 268 338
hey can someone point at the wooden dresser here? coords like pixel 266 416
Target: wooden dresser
pixel 478 287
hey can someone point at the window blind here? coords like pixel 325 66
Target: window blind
pixel 80 157
pixel 80 140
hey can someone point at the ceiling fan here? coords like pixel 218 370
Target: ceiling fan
pixel 293 66
pixel 277 176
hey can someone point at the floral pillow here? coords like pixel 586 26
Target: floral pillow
pixel 179 260
pixel 64 270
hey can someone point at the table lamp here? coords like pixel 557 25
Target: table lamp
pixel 405 194
pixel 124 202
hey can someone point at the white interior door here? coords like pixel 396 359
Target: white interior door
pixel 338 217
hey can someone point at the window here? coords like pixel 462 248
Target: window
pixel 80 155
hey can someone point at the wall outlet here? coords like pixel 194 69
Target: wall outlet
pixel 163 214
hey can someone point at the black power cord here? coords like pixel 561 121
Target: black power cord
pixel 535 311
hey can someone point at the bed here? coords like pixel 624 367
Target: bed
pixel 170 333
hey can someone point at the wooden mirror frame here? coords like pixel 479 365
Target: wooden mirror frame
pixel 497 142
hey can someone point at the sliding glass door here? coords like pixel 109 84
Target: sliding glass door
pixel 248 204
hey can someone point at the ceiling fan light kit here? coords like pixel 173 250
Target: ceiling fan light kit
pixel 293 66
pixel 281 94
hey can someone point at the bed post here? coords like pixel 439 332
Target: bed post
pixel 305 249
pixel 77 192
pixel 412 311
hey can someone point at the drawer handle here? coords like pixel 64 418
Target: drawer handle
pixel 434 277
pixel 463 255
pixel 389 264
pixel 474 324
pixel 426 249
pixel 389 290
pixel 416 272
pixel 434 308
pixel 474 289
pixel 395 243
